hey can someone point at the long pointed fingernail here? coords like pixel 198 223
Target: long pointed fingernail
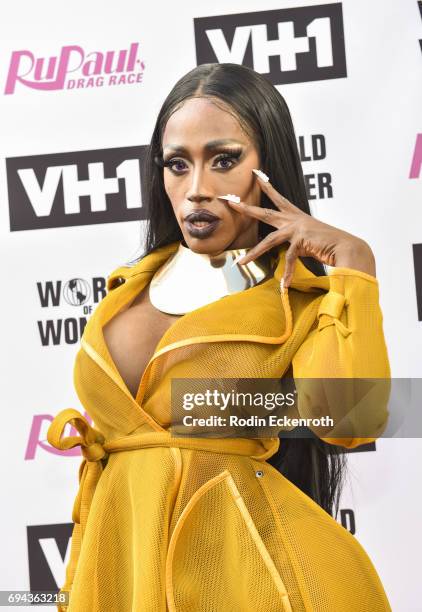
pixel 238 258
pixel 261 175
pixel 231 197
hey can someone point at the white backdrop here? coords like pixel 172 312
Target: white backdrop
pixel 369 118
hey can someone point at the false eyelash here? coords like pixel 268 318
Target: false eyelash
pixel 235 153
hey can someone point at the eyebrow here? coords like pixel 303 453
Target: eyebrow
pixel 210 146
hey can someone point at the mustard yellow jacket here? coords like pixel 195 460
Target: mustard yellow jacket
pixel 174 524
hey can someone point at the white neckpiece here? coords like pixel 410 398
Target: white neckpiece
pixel 189 280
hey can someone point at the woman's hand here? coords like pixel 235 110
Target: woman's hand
pixel 308 236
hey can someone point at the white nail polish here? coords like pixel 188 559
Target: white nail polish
pixel 231 197
pixel 261 175
pixel 237 259
pixel 282 285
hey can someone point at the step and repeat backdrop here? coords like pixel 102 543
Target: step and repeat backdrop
pixel 80 88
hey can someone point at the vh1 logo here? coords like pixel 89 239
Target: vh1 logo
pixel 287 45
pixel 75 188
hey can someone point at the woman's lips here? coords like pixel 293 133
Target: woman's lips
pixel 202 229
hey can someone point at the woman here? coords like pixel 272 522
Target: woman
pixel 207 523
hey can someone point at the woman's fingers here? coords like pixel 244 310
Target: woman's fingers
pixel 267 215
pixel 291 256
pixel 279 200
pixel 268 242
pixel 308 237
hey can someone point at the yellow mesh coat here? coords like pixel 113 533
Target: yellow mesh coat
pixel 185 524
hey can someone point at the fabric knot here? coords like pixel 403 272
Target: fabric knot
pixel 90 440
pixel 330 310
pixel 93 452
pixel 332 304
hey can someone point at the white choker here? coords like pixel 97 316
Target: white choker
pixel 189 280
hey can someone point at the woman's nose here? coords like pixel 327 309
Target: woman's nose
pixel 199 188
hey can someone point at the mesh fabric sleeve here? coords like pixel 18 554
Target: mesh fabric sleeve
pixel 342 368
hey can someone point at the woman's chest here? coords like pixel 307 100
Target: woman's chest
pixel 132 336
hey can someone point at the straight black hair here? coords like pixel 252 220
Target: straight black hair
pixel 314 466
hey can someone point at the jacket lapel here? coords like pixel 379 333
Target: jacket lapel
pixel 123 285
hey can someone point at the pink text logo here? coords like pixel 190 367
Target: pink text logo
pixel 38 437
pixel 416 165
pixel 73 68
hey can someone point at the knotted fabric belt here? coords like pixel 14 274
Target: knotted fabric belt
pixel 94 448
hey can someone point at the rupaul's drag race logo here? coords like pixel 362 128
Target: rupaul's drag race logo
pixel 416 164
pixel 74 68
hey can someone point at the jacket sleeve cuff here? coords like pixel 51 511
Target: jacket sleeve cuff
pixel 337 270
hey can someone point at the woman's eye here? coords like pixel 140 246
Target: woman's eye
pixel 178 166
pixel 226 162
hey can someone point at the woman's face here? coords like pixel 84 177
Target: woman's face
pixel 208 154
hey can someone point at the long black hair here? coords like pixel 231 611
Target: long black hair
pixel 314 466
